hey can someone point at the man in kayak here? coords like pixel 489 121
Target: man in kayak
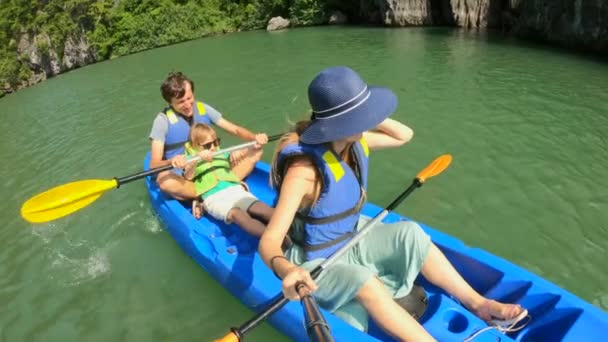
pixel 224 196
pixel 170 132
pixel 320 171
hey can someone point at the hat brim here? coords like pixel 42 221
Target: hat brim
pixel 381 103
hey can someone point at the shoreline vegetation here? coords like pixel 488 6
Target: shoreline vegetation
pixel 41 39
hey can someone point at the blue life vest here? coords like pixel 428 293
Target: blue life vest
pixel 331 221
pixel 179 128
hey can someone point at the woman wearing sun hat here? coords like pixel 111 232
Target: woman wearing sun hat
pixel 320 171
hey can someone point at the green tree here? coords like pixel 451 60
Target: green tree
pixel 118 27
pixel 308 12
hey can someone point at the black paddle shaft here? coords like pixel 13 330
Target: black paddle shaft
pixel 279 301
pixel 394 204
pixel 127 179
pixel 316 326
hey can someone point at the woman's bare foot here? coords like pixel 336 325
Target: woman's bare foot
pixel 197 209
pixel 491 309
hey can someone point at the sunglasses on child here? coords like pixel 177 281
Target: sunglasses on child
pixel 211 144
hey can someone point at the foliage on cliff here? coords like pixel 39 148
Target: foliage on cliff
pixel 118 27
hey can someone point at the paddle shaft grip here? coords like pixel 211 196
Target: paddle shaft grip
pixel 416 183
pixel 280 299
pixel 316 326
pixel 277 303
pixel 127 179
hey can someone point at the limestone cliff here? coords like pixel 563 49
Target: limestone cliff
pixel 45 59
pixel 572 23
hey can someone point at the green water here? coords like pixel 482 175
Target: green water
pixel 526 126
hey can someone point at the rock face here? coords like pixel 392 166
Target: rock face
pixel 471 13
pixel 405 12
pixel 573 23
pixel 77 52
pixel 337 18
pixel 581 23
pixel 40 55
pixel 466 13
pixel 277 23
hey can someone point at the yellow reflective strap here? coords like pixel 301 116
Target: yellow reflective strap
pixel 189 149
pixel 365 147
pixel 334 165
pixel 172 117
pixel 201 108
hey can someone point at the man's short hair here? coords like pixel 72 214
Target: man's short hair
pixel 174 86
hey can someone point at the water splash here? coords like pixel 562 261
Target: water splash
pixel 151 222
pixel 152 225
pixel 48 232
pixel 80 270
pixel 74 261
pixel 121 220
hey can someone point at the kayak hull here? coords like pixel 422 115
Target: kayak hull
pixel 230 256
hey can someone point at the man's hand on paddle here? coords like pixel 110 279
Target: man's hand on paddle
pixel 260 139
pixel 297 275
pixel 179 161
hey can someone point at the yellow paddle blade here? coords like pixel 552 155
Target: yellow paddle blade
pixel 436 167
pixel 231 337
pixel 64 199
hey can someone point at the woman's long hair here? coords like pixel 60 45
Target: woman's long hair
pixel 291 137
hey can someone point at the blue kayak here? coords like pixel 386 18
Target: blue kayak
pixel 230 256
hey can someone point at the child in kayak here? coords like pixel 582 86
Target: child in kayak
pixel 223 195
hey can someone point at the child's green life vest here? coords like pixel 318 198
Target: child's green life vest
pixel 208 175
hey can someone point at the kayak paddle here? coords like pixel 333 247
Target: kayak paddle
pixel 316 325
pixel 65 199
pixel 436 167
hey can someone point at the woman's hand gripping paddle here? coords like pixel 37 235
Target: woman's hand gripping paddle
pixel 65 199
pixel 316 326
pixel 436 167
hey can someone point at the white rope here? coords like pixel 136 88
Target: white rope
pixel 505 328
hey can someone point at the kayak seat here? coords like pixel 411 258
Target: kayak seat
pixel 415 303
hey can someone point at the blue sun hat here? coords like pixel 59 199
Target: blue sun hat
pixel 344 105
